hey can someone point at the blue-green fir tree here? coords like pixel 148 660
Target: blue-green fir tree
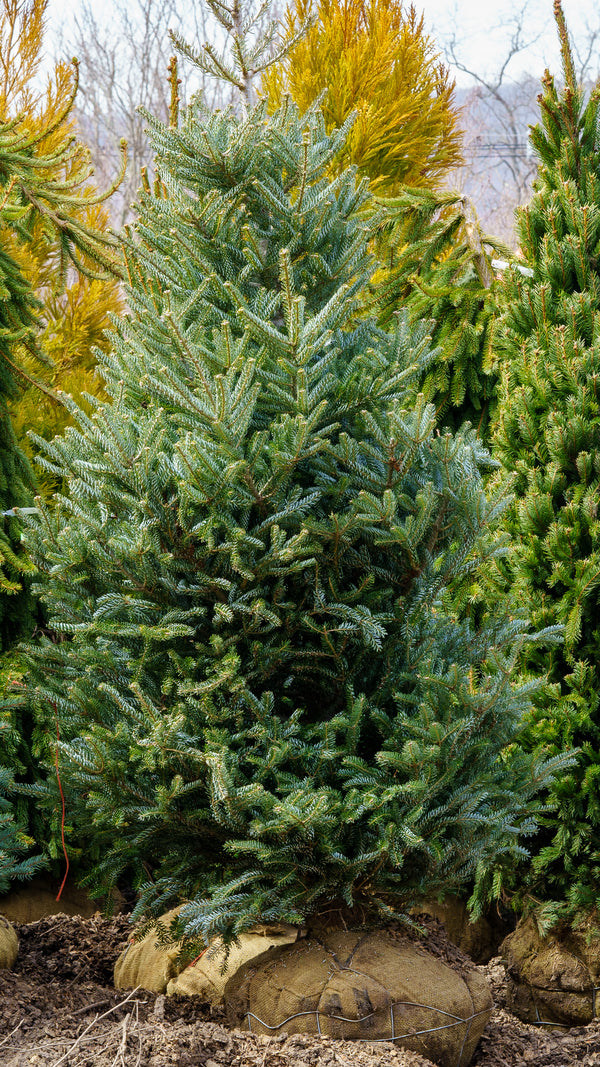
pixel 265 707
pixel 548 440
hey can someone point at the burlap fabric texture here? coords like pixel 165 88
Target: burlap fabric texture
pixel 156 967
pixel 375 986
pixel 26 903
pixel 9 944
pixel 555 978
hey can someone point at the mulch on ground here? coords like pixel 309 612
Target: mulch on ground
pixel 58 1009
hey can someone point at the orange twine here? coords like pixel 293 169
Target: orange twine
pixel 198 957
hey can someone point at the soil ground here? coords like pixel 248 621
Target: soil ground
pixel 58 1008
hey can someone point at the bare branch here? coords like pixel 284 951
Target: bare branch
pixel 123 65
pixel 497 114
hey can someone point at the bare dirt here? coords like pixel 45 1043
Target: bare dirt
pixel 58 1008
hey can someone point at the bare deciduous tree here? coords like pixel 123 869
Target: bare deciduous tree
pixel 254 41
pixel 586 54
pixel 124 65
pixel 497 112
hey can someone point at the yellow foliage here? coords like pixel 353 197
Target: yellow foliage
pixel 75 300
pixel 21 37
pixel 373 56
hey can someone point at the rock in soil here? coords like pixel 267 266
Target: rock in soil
pixel 59 1006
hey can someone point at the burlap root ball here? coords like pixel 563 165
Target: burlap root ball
pixel 477 938
pixel 36 899
pixel 149 965
pixel 9 944
pixel 208 976
pixel 554 978
pixel 371 986
pixel 146 964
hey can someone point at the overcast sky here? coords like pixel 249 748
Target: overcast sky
pixel 483 29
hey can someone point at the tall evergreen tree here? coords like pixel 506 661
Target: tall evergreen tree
pixel 548 439
pixel 264 704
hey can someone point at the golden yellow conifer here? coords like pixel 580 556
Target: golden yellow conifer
pixel 54 247
pixel 374 57
pixel 76 296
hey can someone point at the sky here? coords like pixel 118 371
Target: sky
pixel 483 30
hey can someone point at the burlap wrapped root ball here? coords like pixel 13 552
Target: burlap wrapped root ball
pixel 369 986
pixel 9 944
pixel 555 978
pixel 148 965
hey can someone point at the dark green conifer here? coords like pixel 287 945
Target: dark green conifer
pixel 549 440
pixel 264 703
pixel 15 843
pixel 17 318
pixel 45 203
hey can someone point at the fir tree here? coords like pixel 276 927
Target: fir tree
pixel 264 704
pixel 548 438
pixel 20 822
pixel 374 58
pixel 15 864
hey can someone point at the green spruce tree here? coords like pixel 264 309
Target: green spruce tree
pixel 438 265
pixel 548 439
pixel 264 704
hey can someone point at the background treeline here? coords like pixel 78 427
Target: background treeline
pixel 300 565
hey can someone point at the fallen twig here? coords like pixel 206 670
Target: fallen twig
pixel 8 1036
pixel 90 1007
pixel 90 1026
pixel 122 1049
